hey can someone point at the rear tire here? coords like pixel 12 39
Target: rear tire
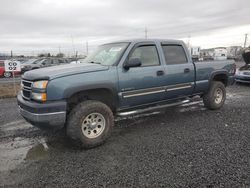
pixel 215 98
pixel 90 123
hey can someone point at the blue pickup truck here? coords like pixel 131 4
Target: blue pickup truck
pixel 119 79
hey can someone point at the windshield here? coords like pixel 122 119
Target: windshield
pixel 31 61
pixel 107 54
pixel 39 61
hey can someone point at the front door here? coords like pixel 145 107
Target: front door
pixel 144 84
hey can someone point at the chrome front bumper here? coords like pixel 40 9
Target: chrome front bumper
pixel 50 115
pixel 46 120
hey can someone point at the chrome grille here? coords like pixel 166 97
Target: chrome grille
pixel 26 89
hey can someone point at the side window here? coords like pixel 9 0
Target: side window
pixel 55 62
pixel 174 54
pixel 147 54
pixel 60 61
pixel 47 62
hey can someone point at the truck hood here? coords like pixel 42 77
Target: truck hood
pixel 50 73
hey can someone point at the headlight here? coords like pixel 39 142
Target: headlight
pixel 40 84
pixel 39 90
pixel 39 96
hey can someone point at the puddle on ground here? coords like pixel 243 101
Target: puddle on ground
pixel 37 152
pixel 14 152
pixel 20 141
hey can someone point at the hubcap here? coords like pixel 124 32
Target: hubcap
pixel 218 96
pixel 93 125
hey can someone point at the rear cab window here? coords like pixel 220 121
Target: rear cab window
pixel 174 54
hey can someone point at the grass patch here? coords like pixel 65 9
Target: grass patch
pixel 7 90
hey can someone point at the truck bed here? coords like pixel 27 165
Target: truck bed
pixel 205 69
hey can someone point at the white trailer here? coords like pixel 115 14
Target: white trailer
pixel 220 54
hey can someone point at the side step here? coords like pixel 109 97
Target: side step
pixel 139 111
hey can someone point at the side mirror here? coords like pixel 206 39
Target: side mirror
pixel 134 62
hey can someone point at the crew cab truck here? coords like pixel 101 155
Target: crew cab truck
pixel 120 78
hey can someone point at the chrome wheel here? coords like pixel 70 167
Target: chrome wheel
pixel 218 96
pixel 93 125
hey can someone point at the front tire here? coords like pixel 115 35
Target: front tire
pixel 215 98
pixel 90 123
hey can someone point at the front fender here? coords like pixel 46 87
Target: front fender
pixel 64 87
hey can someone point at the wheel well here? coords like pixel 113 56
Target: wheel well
pixel 221 78
pixel 103 95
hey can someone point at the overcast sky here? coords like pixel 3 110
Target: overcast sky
pixel 36 25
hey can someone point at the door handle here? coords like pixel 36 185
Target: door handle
pixel 160 73
pixel 187 70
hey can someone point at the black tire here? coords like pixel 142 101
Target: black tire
pixel 209 98
pixel 80 113
pixel 7 74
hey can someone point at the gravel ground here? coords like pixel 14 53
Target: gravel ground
pixel 186 146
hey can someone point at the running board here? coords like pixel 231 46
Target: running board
pixel 139 111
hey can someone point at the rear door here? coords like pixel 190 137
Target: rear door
pixel 144 84
pixel 46 63
pixel 179 69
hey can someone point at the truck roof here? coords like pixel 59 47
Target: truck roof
pixel 173 41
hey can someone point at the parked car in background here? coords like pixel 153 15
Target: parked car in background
pixel 40 63
pixel 5 74
pixel 77 61
pixel 243 73
pixel 28 65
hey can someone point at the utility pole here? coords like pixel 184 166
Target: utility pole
pixel 11 54
pixel 146 33
pixel 245 42
pixel 73 45
pixel 188 43
pixel 59 48
pixel 87 47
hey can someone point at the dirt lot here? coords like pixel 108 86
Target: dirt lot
pixel 186 146
pixel 8 90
